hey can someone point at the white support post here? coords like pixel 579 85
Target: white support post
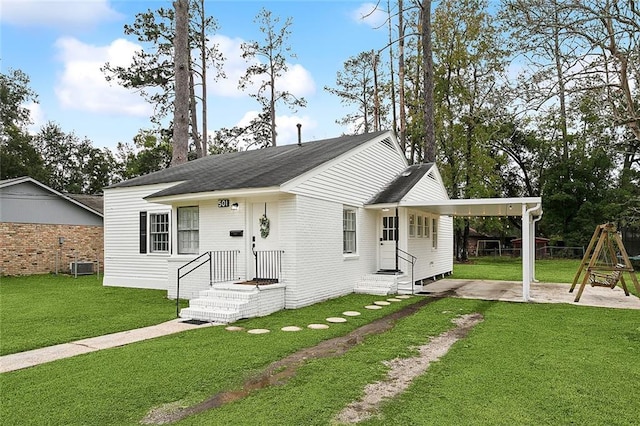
pixel 525 253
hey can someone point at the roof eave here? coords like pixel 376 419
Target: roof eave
pixel 203 196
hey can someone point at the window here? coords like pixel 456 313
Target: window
pixel 426 227
pixel 412 225
pixel 188 230
pixel 420 226
pixel 349 231
pixel 159 232
pixel 434 227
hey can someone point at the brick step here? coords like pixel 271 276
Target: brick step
pixel 223 316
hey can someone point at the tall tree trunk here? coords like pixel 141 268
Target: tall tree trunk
pixel 181 103
pixel 272 106
pixel 376 94
pixel 402 132
pixel 203 57
pixel 561 84
pixel 193 115
pixel 394 118
pixel 427 71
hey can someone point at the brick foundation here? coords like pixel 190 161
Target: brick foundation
pixel 28 249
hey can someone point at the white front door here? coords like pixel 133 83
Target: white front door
pixel 388 234
pixel 264 233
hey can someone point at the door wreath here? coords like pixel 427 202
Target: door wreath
pixel 264 226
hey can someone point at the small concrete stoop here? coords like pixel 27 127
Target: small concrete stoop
pixel 228 302
pixel 379 284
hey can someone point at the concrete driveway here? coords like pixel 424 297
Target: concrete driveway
pixel 511 291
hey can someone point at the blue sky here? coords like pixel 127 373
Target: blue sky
pixel 62 44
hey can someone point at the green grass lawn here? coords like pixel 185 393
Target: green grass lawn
pixel 510 269
pixel 44 310
pixel 525 364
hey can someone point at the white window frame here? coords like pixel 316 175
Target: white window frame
pixel 434 233
pixel 188 230
pixel 427 229
pixel 156 242
pixel 349 231
pixel 412 225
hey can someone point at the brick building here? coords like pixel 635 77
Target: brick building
pixel 43 230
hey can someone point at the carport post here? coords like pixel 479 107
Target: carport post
pixel 526 248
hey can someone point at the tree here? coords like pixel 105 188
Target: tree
pixel 152 71
pixel 182 74
pixel 268 63
pixel 356 85
pixel 18 156
pixel 150 152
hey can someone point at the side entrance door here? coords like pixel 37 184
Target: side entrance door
pixel 388 234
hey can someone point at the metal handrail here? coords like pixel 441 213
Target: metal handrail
pixel 268 265
pixel 411 259
pixel 228 258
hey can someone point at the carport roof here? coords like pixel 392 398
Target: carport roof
pixel 479 206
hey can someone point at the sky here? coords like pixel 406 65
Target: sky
pixel 62 44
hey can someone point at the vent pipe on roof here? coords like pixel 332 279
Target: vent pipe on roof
pixel 299 126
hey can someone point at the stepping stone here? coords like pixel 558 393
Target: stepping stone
pixel 317 326
pixel 234 328
pixel 393 299
pixel 258 331
pixel 403 296
pixel 336 319
pixel 381 303
pixel 373 307
pixel 291 328
pixel 351 313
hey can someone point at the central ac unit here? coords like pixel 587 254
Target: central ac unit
pixel 81 268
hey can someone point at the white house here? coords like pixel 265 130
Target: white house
pixel 281 227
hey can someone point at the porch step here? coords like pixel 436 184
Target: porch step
pixel 229 302
pixel 378 284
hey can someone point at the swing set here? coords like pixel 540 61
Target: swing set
pixel 604 262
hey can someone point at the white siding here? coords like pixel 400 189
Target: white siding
pixel 430 187
pixel 432 262
pixel 124 265
pixel 321 270
pixel 357 178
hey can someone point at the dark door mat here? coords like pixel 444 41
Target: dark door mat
pixel 195 322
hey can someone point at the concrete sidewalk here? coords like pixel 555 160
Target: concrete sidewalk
pixel 52 353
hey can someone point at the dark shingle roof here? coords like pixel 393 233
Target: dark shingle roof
pixel 401 185
pixel 95 202
pixel 259 168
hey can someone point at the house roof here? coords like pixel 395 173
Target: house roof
pixel 92 206
pixel 402 184
pixel 94 202
pixel 261 168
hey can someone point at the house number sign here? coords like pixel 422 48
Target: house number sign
pixel 223 203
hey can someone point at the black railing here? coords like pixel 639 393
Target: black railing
pixel 411 259
pixel 223 266
pixel 268 266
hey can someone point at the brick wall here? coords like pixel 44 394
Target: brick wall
pixel 33 248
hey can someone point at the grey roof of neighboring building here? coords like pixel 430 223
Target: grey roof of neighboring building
pixel 95 206
pixel 260 168
pixel 401 185
pixel 95 202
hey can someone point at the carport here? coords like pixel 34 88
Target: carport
pixel 528 208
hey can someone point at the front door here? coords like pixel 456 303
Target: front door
pixel 264 238
pixel 388 234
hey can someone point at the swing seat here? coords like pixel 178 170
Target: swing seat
pixel 598 279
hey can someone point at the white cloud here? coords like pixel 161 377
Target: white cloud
pixel 57 13
pixel 82 86
pixel 297 80
pixel 37 117
pixel 369 14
